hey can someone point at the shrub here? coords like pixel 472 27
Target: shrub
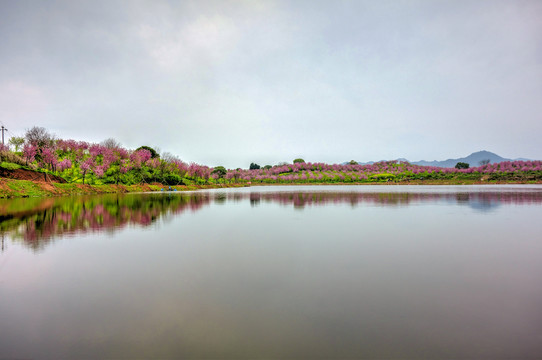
pixel 382 177
pixel 10 157
pixel 462 165
pixel 173 179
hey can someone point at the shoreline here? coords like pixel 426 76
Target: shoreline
pixel 11 188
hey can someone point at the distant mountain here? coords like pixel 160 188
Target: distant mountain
pixel 473 160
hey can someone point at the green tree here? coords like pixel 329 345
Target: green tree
pixel 16 141
pixel 154 154
pixel 299 160
pixel 254 166
pixel 462 165
pixel 220 171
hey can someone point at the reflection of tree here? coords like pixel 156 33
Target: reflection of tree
pixel 255 199
pixel 38 221
pixel 66 216
pixel 308 198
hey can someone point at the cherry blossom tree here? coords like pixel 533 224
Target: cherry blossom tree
pixel 29 152
pixel 85 166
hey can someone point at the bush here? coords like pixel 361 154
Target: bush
pixel 173 179
pixel 382 177
pixel 462 165
pixel 10 157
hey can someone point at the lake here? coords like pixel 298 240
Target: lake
pixel 357 272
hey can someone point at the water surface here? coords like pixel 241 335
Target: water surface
pixel 275 272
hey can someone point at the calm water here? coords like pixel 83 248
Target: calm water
pixel 275 272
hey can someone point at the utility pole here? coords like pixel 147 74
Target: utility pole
pixel 3 129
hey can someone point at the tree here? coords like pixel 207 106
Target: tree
pixel 353 162
pixel 484 162
pixel 254 166
pixel 462 165
pixel 49 159
pixel 267 167
pixel 139 159
pixel 219 171
pixel 29 152
pixel 110 143
pixel 86 166
pixel 39 137
pixel 169 157
pixel 299 161
pixel 154 153
pixel 17 142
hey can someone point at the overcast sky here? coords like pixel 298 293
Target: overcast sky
pixel 234 82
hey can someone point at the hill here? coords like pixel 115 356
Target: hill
pixel 473 159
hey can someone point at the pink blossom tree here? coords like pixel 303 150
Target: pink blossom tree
pixel 86 166
pixel 29 152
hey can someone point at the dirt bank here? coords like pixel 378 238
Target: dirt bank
pixel 30 175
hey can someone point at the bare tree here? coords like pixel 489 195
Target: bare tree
pixel 484 162
pixel 39 136
pixel 111 143
pixel 169 157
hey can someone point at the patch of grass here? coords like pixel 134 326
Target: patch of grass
pixel 25 188
pixel 9 165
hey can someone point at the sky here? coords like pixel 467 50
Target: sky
pixel 234 82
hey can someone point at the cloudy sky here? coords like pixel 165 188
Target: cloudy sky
pixel 233 82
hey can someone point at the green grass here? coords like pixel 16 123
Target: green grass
pixel 25 188
pixel 11 188
pixel 10 166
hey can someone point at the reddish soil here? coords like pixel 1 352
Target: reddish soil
pixel 22 174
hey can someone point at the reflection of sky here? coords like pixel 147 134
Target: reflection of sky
pixel 484 205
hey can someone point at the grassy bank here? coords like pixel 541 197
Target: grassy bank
pixel 11 188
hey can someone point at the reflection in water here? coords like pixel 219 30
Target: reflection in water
pixel 278 273
pixel 483 200
pixel 37 221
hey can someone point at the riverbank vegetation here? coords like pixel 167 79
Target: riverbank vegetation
pixel 70 166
